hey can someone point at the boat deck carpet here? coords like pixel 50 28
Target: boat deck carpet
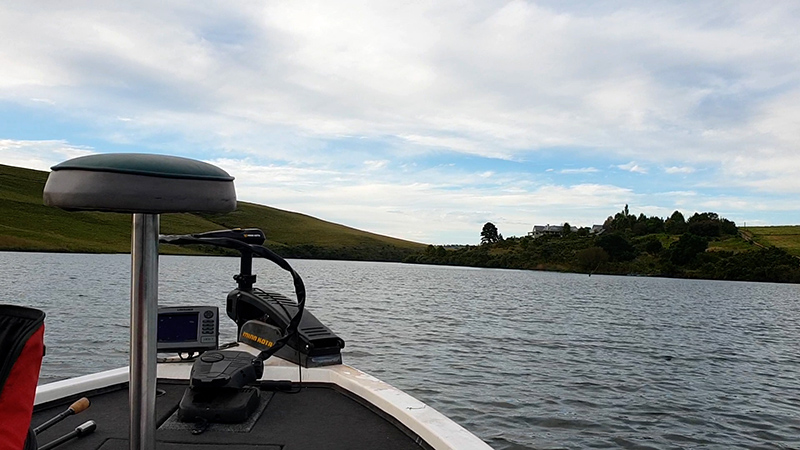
pixel 315 417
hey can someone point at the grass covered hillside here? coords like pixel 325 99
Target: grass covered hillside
pixel 785 237
pixel 27 225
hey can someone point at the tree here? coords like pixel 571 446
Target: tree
pixel 676 224
pixel 591 258
pixel 566 230
pixel 655 225
pixel 640 226
pixel 617 247
pixel 709 224
pixel 489 234
pixel 622 221
pixel 703 217
pixel 653 246
pixel 728 227
pixel 685 249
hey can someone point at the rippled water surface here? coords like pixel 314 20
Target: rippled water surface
pixel 526 360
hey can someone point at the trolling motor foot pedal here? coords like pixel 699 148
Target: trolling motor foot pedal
pixel 218 406
pixel 219 390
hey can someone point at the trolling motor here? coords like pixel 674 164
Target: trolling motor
pixel 221 383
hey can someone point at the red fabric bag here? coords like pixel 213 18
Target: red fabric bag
pixel 21 352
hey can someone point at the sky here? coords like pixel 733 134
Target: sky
pixel 425 120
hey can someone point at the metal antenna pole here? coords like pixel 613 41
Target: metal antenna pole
pixel 144 315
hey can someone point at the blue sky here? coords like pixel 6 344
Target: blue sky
pixel 424 121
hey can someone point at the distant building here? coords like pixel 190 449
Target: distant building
pixel 544 230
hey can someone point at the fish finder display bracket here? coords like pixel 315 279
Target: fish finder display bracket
pixel 184 329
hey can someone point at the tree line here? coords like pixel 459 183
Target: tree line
pixel 703 246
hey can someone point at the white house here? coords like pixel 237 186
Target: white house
pixel 543 230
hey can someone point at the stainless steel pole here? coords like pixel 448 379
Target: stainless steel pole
pixel 144 314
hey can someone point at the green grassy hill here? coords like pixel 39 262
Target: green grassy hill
pixel 27 225
pixel 785 237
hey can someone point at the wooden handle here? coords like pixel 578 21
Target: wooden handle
pixel 80 405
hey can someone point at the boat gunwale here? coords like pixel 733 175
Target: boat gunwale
pixel 432 427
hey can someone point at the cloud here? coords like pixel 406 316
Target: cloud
pixel 39 155
pixel 376 165
pixel 632 167
pixel 330 100
pixel 676 169
pixel 579 171
pixel 496 80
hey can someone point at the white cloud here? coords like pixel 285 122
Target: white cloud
pixel 489 79
pixel 633 167
pixel 376 165
pixel 323 98
pixel 578 171
pixel 39 155
pixel 676 169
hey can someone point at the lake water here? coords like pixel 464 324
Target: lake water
pixel 523 359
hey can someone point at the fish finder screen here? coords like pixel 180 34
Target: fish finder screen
pixel 177 327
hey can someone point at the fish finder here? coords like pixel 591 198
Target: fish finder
pixel 188 329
